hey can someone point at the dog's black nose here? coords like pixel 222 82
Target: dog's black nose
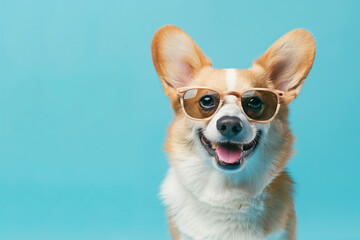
pixel 229 126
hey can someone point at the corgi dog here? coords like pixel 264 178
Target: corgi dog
pixel 230 141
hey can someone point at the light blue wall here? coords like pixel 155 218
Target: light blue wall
pixel 81 139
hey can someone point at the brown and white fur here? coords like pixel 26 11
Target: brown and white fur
pixel 256 201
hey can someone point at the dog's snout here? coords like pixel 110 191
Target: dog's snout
pixel 229 126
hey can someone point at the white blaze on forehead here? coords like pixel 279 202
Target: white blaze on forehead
pixel 230 79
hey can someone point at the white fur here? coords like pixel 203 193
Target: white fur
pixel 204 219
pixel 231 79
pixel 233 83
pixel 205 203
pixel 231 216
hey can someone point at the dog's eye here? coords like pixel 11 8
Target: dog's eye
pixel 255 102
pixel 207 102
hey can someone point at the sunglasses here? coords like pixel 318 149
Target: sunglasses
pixel 258 104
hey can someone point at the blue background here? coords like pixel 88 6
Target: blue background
pixel 83 116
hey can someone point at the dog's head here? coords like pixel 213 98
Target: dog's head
pixel 218 124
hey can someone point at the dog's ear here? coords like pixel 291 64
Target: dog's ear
pixel 288 61
pixel 176 57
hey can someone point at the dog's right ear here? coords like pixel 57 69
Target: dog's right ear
pixel 176 57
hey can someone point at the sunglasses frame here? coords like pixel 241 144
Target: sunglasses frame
pixel 279 94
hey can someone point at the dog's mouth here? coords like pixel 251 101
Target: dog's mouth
pixel 230 155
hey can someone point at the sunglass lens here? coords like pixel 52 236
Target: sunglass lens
pixel 259 105
pixel 201 103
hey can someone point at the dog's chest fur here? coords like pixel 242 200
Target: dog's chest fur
pixel 239 219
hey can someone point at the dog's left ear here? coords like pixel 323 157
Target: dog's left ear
pixel 288 61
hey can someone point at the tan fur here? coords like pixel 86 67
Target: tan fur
pixel 165 38
pixel 295 50
pixel 174 232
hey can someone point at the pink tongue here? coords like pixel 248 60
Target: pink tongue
pixel 228 155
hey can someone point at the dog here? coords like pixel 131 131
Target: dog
pixel 230 141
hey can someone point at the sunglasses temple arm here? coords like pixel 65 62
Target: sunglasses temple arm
pixel 286 97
